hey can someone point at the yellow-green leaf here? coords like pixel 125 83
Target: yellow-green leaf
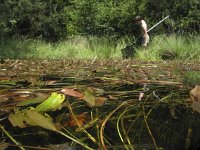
pixel 39 120
pixel 92 100
pixel 17 120
pixel 89 98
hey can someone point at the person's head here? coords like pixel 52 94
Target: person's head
pixel 137 19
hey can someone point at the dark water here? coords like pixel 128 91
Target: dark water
pixel 170 123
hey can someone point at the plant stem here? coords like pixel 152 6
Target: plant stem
pixel 11 138
pixel 104 122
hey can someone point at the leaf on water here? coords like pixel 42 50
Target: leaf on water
pixel 51 82
pixel 6 109
pixel 40 98
pixel 110 78
pixel 173 112
pixel 21 97
pixel 40 120
pixel 64 146
pixel 4 78
pixel 92 100
pixel 89 97
pixel 52 103
pixel 6 96
pixel 195 96
pixel 73 93
pixel 30 102
pixel 112 97
pixel 17 120
pixel 99 101
pixel 4 146
pixel 79 121
pixel 196 106
pixel 8 82
pixel 25 117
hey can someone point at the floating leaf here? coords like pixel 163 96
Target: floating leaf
pixel 92 100
pixel 73 93
pixel 78 121
pixel 30 102
pixel 99 101
pixel 52 103
pixel 7 82
pixel 40 120
pixel 195 94
pixel 110 78
pixel 31 117
pixel 173 112
pixel 112 97
pixel 196 106
pixel 51 82
pixel 40 98
pixel 21 97
pixel 64 146
pixel 17 120
pixel 89 98
pixel 4 146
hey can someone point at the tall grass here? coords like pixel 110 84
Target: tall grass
pixel 79 47
pixel 74 47
pixel 182 47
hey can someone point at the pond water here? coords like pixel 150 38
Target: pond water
pixel 115 104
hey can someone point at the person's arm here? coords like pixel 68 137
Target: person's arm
pixel 144 28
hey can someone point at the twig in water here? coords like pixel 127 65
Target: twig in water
pixel 188 139
pixel 77 122
pixel 148 128
pixel 94 59
pixel 11 138
pixel 14 63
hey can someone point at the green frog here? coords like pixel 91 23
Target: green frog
pixel 52 103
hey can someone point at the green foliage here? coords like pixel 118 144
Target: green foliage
pixel 56 19
pixel 109 17
pixel 36 18
pixel 184 15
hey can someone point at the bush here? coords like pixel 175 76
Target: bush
pixel 57 19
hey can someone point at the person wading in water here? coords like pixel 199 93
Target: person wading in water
pixel 143 39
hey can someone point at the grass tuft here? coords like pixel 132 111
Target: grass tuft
pixel 175 46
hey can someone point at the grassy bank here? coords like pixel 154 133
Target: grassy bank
pixel 173 46
pixel 178 47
